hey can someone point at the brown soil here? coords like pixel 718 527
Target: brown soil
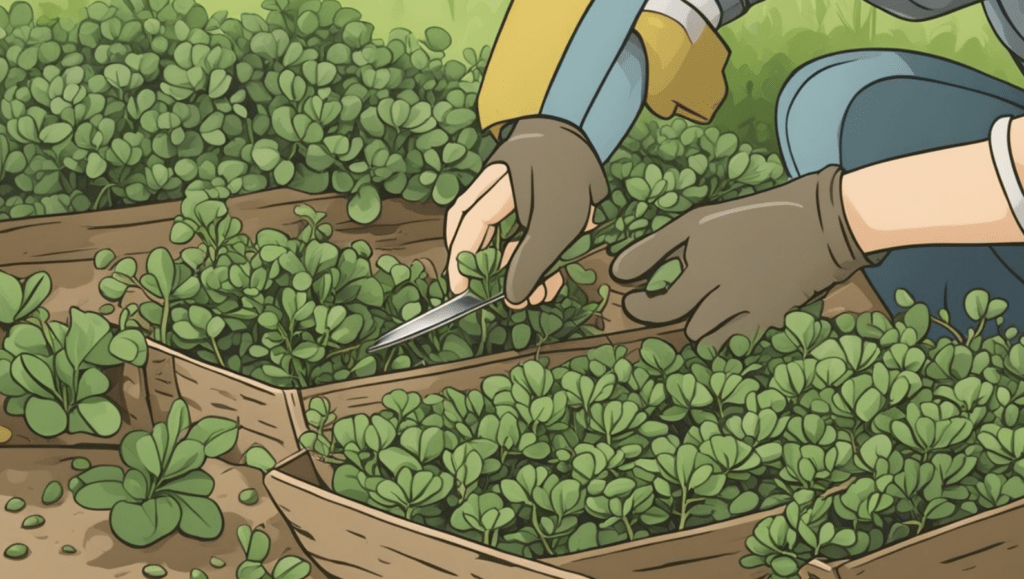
pixel 24 472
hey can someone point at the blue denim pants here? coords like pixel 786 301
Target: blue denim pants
pixel 858 108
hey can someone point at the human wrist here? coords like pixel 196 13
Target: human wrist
pixel 540 126
pixel 844 247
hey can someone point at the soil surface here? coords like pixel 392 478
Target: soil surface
pixel 25 472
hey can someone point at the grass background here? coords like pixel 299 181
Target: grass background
pixel 767 44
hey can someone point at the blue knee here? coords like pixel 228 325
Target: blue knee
pixel 814 101
pixel 862 107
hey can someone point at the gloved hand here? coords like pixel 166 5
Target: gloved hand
pixel 549 174
pixel 746 262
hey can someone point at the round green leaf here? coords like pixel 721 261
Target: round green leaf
pixel 95 166
pixel 103 258
pixel 145 524
pixel 446 189
pixel 16 551
pixel 976 304
pixel 284 172
pixel 52 493
pixel 101 415
pixel 45 417
pixel 248 497
pixel 903 298
pixel 665 276
pixel 438 39
pixel 32 522
pixel 364 207
pixel 291 567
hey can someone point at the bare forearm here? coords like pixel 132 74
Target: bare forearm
pixel 948 196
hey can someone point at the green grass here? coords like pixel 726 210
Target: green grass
pixel 767 44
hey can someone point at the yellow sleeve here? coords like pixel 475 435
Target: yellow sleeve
pixel 686 61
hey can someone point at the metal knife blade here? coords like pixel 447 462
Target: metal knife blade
pixel 444 314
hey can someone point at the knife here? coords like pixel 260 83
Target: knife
pixel 444 314
pixel 458 307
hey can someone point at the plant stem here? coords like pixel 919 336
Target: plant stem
pixel 540 533
pixel 483 333
pixel 101 195
pixel 540 344
pixel 949 328
pixel 683 511
pixel 629 528
pixel 342 351
pixel 216 350
pixel 164 318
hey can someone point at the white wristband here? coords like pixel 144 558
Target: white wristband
pixel 999 144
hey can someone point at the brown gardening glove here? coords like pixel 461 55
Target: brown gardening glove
pixel 746 262
pixel 549 174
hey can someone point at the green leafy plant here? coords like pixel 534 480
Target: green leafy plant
pixel 21 300
pixel 933 426
pixel 52 373
pixel 865 429
pixel 164 488
pixel 256 545
pixel 296 311
pixel 311 98
pixel 542 462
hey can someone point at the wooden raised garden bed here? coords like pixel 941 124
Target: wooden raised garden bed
pixel 350 540
pixel 275 418
pixel 988 545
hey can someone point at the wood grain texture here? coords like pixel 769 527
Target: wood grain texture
pixel 710 552
pixel 989 545
pixel 348 540
pixel 364 396
pixel 275 418
pixel 161 383
pixel 271 417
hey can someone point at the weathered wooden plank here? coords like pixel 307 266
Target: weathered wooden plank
pixel 985 546
pixel 348 540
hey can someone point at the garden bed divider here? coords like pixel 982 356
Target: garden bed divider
pixel 275 418
pixel 350 540
pixel 988 545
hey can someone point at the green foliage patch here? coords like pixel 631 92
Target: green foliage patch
pixel 52 373
pixel 296 311
pixel 601 450
pixel 256 545
pixel 164 489
pixel 144 99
